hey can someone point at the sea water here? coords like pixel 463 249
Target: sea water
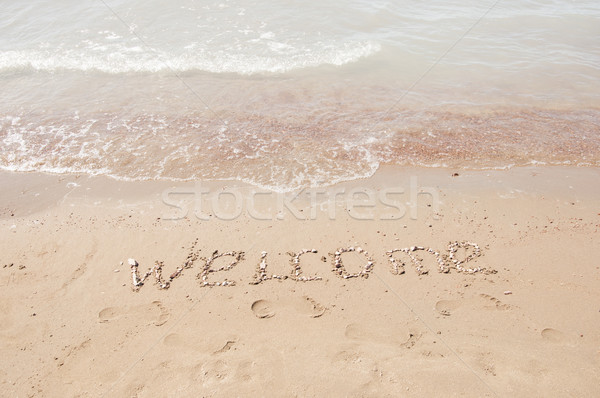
pixel 291 94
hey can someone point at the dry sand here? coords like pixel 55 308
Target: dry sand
pixel 72 325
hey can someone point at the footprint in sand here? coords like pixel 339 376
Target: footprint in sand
pixel 353 360
pixel 483 301
pixel 400 337
pixel 226 347
pixel 214 344
pixel 553 335
pixel 176 340
pixel 492 303
pixel 305 306
pixel 155 313
pixel 445 307
pixel 215 372
pixel 246 370
pixel 263 309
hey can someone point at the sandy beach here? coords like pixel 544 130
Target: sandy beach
pixel 300 199
pixel 524 323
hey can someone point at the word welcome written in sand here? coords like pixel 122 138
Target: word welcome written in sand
pixel 445 263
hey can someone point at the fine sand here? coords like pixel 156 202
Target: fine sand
pixel 526 324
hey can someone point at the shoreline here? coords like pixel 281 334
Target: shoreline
pixel 69 310
pixel 270 145
pixel 535 179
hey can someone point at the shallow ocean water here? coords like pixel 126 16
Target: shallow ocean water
pixel 289 94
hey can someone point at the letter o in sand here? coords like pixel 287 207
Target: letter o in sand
pixel 338 266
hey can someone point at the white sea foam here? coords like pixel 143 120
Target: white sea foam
pixel 117 58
